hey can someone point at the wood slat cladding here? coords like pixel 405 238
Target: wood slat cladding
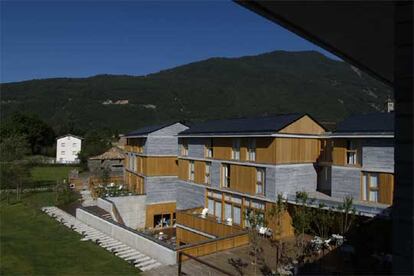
pixel 304 125
pixel 135 183
pixel 183 169
pixel 265 150
pixel 199 172
pixel 158 209
pixel 386 188
pixel 222 148
pixel 339 152
pixel 325 154
pixel 243 179
pixel 296 150
pixel 188 237
pixel 157 165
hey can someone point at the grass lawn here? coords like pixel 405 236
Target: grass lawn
pixel 31 243
pixel 51 173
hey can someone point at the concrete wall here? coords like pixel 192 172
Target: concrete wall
pixel 132 210
pixel 290 179
pixel 346 181
pixel 378 155
pixel 131 238
pixel 161 189
pixel 190 195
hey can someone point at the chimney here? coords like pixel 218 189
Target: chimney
pixel 389 105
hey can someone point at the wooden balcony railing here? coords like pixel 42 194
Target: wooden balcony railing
pixel 208 225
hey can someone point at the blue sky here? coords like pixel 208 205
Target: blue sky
pixel 80 39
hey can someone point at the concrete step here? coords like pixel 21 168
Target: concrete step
pixel 129 251
pixel 140 260
pixel 151 266
pixel 134 257
pixel 149 262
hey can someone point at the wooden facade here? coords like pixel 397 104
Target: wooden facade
pixel 304 125
pixel 157 165
pixel 159 209
pixel 135 183
pixel 242 179
pixel 339 149
pixel 135 145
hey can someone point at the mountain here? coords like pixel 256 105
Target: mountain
pixel 270 83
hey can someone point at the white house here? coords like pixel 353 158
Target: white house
pixel 67 149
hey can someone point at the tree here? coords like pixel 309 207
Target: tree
pixel 14 171
pixel 323 220
pixel 301 218
pixel 347 215
pixel 276 213
pixel 255 219
pixel 38 134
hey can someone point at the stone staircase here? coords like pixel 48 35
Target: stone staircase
pixel 119 249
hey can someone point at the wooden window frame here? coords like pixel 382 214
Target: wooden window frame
pixel 207 177
pixel 262 171
pixel 184 148
pixel 367 188
pixel 191 170
pixel 208 149
pixel 235 149
pixel 225 180
pixel 350 149
pixel 251 150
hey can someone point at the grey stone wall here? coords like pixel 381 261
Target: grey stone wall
pixel 161 189
pixel 291 179
pixel 196 147
pixel 378 155
pixel 346 181
pixel 164 141
pixel 189 195
pixel 215 174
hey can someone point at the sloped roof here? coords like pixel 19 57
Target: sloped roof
pixel 367 123
pixel 147 129
pixel 268 124
pixel 112 153
pixel 57 138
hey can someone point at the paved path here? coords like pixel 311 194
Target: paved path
pixel 123 251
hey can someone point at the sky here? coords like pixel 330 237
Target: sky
pixel 87 38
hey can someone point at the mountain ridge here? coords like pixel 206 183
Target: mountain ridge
pixel 215 88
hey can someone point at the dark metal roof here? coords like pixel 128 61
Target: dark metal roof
pixel 147 129
pixel 57 138
pixel 269 124
pixel 367 123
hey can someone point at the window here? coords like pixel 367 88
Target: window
pixel 227 211
pixel 184 148
pixel 62 152
pixel 208 153
pixel 211 206
pixel 225 181
pixel 235 154
pixel 351 153
pixel 370 187
pixel 191 170
pixel 62 144
pixel 217 210
pixel 207 173
pixel 251 150
pixel 236 215
pixel 74 144
pixel 260 177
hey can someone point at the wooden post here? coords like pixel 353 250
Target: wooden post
pixel 179 263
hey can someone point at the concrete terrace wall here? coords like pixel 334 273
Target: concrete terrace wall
pixel 346 181
pixel 132 210
pixel 189 195
pixel 378 155
pixel 161 189
pixel 129 237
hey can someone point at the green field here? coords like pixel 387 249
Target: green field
pixel 51 173
pixel 34 244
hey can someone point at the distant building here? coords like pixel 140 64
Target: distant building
pixel 68 148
